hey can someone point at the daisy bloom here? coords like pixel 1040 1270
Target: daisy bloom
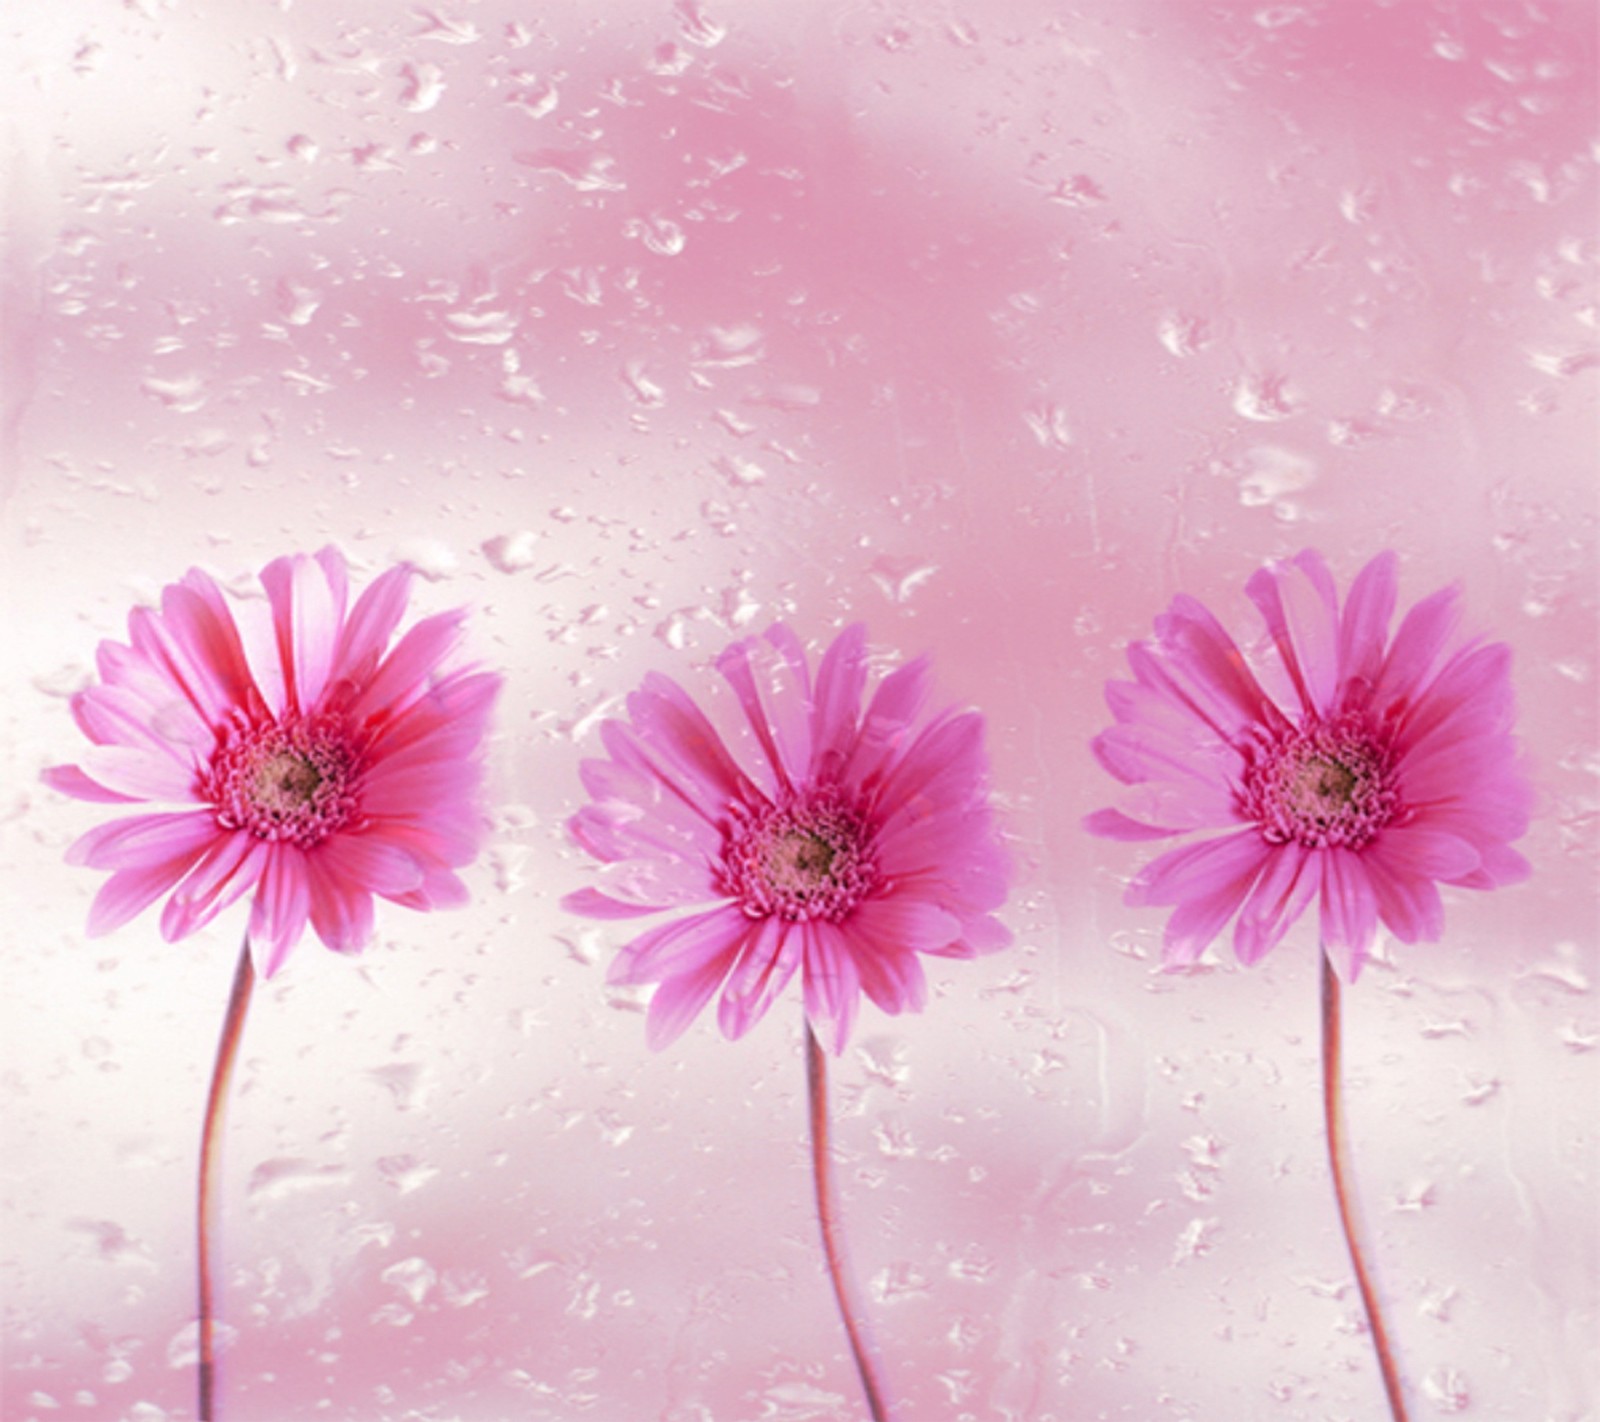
pixel 1375 768
pixel 316 766
pixel 854 843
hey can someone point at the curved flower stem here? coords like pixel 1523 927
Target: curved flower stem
pixel 210 1150
pixel 832 1236
pixel 1343 1188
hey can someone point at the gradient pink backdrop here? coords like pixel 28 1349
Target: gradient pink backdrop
pixel 636 325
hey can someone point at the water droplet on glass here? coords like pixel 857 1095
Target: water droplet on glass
pixel 1266 398
pixel 898 578
pixel 182 394
pixel 1446 1388
pixel 1080 190
pixel 1049 424
pixel 422 87
pixel 1184 334
pixel 534 96
pixel 1269 472
pixel 431 558
pixel 288 1175
pixel 511 552
pixel 480 328
pixel 586 169
pixel 414 1277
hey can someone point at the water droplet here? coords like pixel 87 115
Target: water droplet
pixel 414 1277
pixel 1049 424
pixel 431 558
pixel 534 96
pixel 696 26
pixel 1266 398
pixel 586 169
pixel 422 87
pixel 297 304
pixel 1080 190
pixel 405 1173
pixel 511 552
pixel 660 235
pixel 1446 1388
pixel 288 1175
pixel 641 387
pixel 899 578
pixel 740 472
pixel 1270 472
pixel 1184 334
pixel 409 1084
pixel 182 394
pixel 480 328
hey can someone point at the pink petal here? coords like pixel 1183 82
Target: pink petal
pixel 128 892
pixel 735 665
pixel 679 1000
pixel 1285 889
pixel 832 984
pixel 1300 605
pixel 228 870
pixel 886 728
pixel 1416 646
pixel 1364 627
pixel 1407 903
pixel 258 636
pixel 894 981
pixel 144 839
pixel 591 903
pixel 369 861
pixel 403 674
pixel 1195 870
pixel 900 923
pixel 1113 824
pixel 944 767
pixel 979 937
pixel 341 912
pixel 280 910
pixel 1474 687
pixel 836 704
pixel 675 732
pixel 142 774
pixel 70 780
pixel 306 611
pixel 113 715
pixel 1414 852
pixel 762 971
pixel 1349 917
pixel 682 946
pixel 440 889
pixel 372 622
pixel 1196 666
pixel 202 623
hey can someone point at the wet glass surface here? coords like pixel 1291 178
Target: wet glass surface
pixel 634 327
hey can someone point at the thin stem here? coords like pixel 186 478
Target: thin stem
pixel 210 1151
pixel 832 1236
pixel 1344 1190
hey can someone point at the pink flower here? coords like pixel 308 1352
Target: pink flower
pixel 855 843
pixel 1380 768
pixel 319 766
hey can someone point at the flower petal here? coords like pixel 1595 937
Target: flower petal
pixel 832 984
pixel 307 609
pixel 227 870
pixel 144 839
pixel 1287 885
pixel 1364 625
pixel 682 946
pixel 143 774
pixel 762 970
pixel 280 910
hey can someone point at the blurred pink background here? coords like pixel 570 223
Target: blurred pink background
pixel 637 325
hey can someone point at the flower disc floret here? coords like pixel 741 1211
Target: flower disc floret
pixel 809 859
pixel 293 781
pixel 1321 785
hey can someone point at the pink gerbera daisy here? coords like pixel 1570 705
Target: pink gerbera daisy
pixel 1381 769
pixel 855 844
pixel 317 765
pixel 1377 770
pixel 320 767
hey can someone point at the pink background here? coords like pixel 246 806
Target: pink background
pixel 636 325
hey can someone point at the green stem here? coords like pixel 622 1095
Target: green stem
pixel 832 1236
pixel 210 1151
pixel 1344 1189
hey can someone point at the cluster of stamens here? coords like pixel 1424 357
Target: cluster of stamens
pixel 1329 784
pixel 809 859
pixel 285 780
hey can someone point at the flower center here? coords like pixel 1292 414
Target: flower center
pixel 292 780
pixel 808 859
pixel 1324 785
